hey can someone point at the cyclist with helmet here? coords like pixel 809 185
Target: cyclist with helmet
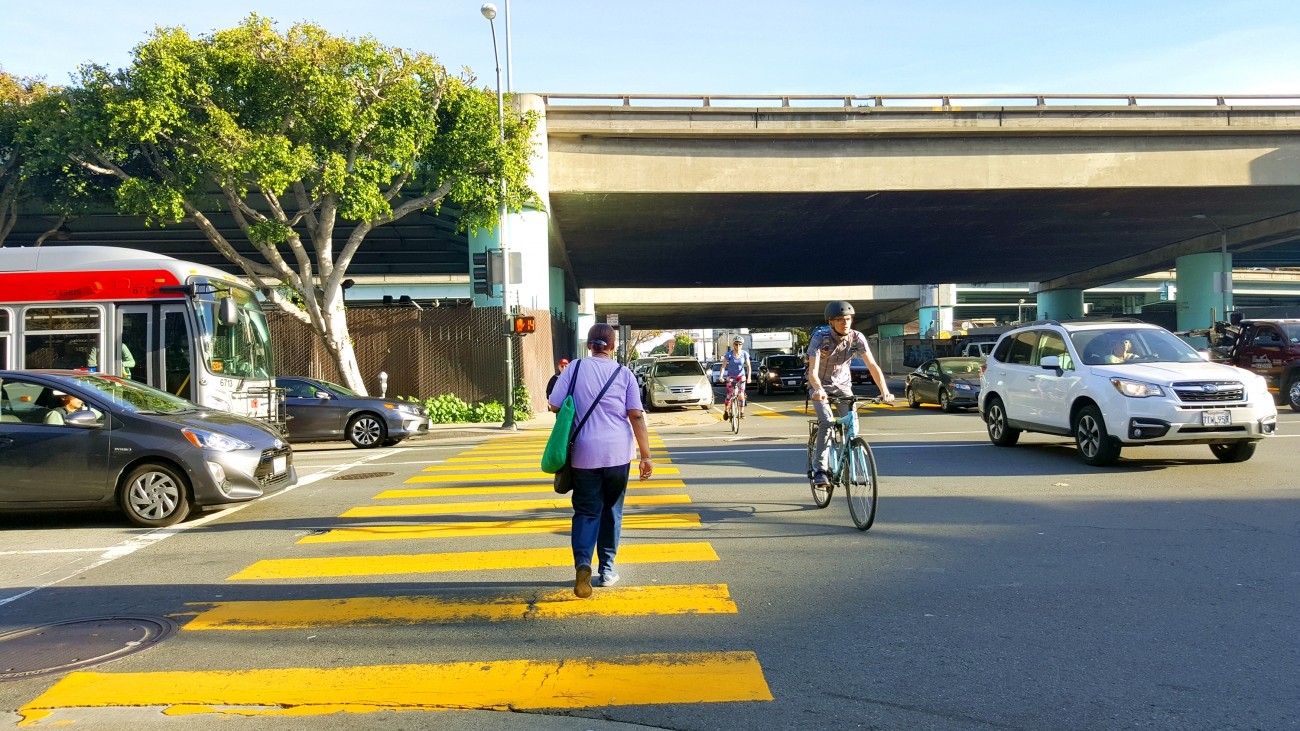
pixel 831 349
pixel 735 373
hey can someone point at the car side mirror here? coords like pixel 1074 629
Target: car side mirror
pixel 1051 362
pixel 323 395
pixel 85 418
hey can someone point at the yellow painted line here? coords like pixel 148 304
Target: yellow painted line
pixel 501 466
pixel 497 506
pixel 508 489
pixel 770 414
pixel 536 474
pixel 427 563
pixel 501 685
pixel 638 521
pixel 535 457
pixel 424 609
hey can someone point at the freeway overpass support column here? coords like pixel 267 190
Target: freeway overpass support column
pixel 1201 295
pixel 586 318
pixel 1060 304
pixel 935 313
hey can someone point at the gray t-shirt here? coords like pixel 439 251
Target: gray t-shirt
pixel 836 353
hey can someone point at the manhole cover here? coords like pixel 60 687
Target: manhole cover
pixel 362 475
pixel 79 643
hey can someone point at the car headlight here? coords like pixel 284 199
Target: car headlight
pixel 962 387
pixel 1136 389
pixel 409 408
pixel 660 388
pixel 1258 386
pixel 211 440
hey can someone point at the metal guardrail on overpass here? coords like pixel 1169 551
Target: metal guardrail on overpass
pixel 944 101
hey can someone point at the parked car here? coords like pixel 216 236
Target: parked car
pixel 859 371
pixel 781 373
pixel 714 370
pixel 154 456
pixel 953 383
pixel 320 411
pixel 1118 384
pixel 676 381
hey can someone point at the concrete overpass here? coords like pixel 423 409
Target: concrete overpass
pixel 665 193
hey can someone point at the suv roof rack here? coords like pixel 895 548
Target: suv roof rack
pixel 1100 320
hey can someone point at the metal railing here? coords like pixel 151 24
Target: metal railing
pixel 925 101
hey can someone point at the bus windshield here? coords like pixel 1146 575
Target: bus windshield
pixel 241 350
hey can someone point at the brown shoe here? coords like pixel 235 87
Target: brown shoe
pixel 582 584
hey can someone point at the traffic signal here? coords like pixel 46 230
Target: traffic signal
pixel 481 273
pixel 523 325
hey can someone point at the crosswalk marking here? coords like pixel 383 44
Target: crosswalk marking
pixel 641 521
pixel 508 489
pixel 534 475
pixel 405 610
pixel 524 456
pixel 584 682
pixel 497 506
pixel 502 466
pixel 460 561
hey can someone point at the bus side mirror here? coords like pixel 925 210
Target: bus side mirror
pixel 227 311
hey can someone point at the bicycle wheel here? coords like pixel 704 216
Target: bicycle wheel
pixel 821 495
pixel 860 483
pixel 735 414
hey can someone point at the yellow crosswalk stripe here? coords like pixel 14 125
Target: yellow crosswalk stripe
pixel 508 489
pixel 523 457
pixel 629 601
pixel 508 466
pixel 771 414
pixel 426 563
pixel 536 474
pixel 425 531
pixel 497 506
pixel 686 677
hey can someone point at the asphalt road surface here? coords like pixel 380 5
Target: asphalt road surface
pixel 430 586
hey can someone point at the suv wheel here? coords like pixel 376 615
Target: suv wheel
pixel 1095 445
pixel 911 398
pixel 1234 452
pixel 1293 394
pixel 995 418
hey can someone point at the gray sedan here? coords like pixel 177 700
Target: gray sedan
pixel 320 411
pixel 118 443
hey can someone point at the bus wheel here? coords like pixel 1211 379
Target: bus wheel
pixel 155 496
pixel 366 431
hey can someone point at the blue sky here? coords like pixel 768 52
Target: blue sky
pixel 751 47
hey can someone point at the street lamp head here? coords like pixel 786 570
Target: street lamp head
pixel 489 11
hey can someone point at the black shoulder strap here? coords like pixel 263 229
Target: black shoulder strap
pixel 573 377
pixel 599 396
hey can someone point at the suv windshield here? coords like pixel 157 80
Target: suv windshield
pixel 1137 345
pixel 785 361
pixel 679 368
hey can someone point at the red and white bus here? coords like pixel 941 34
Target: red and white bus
pixel 185 328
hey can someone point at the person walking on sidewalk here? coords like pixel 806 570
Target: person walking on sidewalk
pixel 831 348
pixel 601 453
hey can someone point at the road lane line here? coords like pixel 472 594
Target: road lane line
pixel 633 601
pixel 583 682
pixel 497 506
pixel 460 561
pixel 425 531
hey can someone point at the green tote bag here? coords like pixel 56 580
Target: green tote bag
pixel 556 454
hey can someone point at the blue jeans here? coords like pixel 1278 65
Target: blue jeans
pixel 826 416
pixel 598 514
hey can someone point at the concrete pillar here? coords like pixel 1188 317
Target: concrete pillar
pixel 1201 295
pixel 585 317
pixel 1060 304
pixel 934 317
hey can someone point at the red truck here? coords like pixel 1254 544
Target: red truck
pixel 1270 348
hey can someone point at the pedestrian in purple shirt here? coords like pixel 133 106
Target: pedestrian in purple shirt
pixel 601 454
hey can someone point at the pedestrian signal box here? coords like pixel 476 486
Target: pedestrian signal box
pixel 523 325
pixel 487 271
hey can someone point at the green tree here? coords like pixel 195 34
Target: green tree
pixel 308 141
pixel 17 98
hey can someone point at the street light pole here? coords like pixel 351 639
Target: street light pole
pixel 490 12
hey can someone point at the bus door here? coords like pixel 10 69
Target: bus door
pixel 175 357
pixel 5 333
pixel 138 334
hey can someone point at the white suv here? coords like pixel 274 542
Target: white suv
pixel 1119 384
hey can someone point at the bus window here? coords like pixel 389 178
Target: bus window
pixel 135 361
pixel 4 339
pixel 176 355
pixel 59 337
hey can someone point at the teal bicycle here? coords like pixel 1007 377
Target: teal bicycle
pixel 850 465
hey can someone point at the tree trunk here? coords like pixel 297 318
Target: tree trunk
pixel 339 342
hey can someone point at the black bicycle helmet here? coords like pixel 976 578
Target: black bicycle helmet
pixel 838 308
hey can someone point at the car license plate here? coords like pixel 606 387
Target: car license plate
pixel 791 382
pixel 279 465
pixel 1216 418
